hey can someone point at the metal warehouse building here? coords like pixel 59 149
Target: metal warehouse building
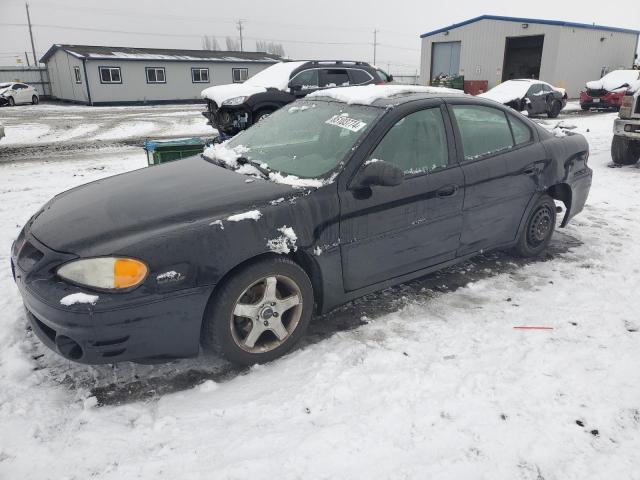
pixel 119 75
pixel 496 49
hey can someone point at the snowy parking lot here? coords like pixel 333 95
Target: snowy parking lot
pixel 431 379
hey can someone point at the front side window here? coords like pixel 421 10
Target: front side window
pixel 110 75
pixel 335 77
pixel 77 75
pixel 416 144
pixel 239 74
pixel 200 75
pixel 483 130
pixel 306 80
pixel 155 75
pixel 535 90
pixel 306 139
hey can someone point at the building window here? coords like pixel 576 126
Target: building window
pixel 76 74
pixel 155 75
pixel 239 74
pixel 200 75
pixel 110 75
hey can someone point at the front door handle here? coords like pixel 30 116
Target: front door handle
pixel 447 191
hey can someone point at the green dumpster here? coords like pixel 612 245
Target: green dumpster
pixel 161 151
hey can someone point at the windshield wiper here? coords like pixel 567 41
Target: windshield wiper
pixel 265 171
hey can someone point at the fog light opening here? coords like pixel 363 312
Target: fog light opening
pixel 68 347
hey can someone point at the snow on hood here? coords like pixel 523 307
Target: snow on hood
pixel 275 76
pixel 367 94
pixel 614 80
pixel 511 90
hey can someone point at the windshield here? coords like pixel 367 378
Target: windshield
pixel 275 76
pixel 305 139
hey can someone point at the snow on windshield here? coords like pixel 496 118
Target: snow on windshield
pixel 614 80
pixel 276 76
pixel 367 94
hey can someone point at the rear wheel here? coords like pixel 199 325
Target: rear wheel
pixel 537 232
pixel 555 109
pixel 260 312
pixel 12 102
pixel 625 151
pixel 34 100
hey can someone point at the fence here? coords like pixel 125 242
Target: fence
pixel 37 77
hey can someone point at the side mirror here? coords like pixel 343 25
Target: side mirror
pixel 378 173
pixel 390 78
pixel 295 88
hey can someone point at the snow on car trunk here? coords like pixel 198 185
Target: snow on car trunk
pixel 442 387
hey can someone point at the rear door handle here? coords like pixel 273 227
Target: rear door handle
pixel 447 191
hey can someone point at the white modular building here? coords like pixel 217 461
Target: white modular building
pixel 96 75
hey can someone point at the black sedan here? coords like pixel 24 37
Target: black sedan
pixel 533 96
pixel 331 198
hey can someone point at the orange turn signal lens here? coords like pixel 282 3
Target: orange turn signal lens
pixel 128 272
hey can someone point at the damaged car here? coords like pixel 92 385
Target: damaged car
pixel 608 92
pixel 234 107
pixel 13 93
pixel 343 193
pixel 533 96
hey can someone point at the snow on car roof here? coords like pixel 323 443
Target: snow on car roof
pixel 511 90
pixel 368 94
pixel 615 80
pixel 275 76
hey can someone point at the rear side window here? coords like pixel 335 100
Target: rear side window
pixel 307 79
pixel 417 143
pixel 359 77
pixel 335 77
pixel 483 130
pixel 521 133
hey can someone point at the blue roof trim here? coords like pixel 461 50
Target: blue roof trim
pixel 558 23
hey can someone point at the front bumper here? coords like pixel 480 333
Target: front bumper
pixel 628 128
pixel 227 120
pixel 115 329
pixel 3 100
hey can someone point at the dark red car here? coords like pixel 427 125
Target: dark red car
pixel 608 92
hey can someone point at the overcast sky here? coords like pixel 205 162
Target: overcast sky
pixel 307 29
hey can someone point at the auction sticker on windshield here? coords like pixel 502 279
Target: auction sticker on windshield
pixel 343 121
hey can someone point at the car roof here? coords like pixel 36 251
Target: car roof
pixel 387 95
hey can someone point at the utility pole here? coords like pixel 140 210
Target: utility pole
pixel 33 50
pixel 27 57
pixel 375 45
pixel 240 29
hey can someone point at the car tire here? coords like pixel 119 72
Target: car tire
pixel 34 100
pixel 12 102
pixel 261 115
pixel 624 151
pixel 264 292
pixel 538 229
pixel 555 109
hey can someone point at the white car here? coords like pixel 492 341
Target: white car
pixel 14 93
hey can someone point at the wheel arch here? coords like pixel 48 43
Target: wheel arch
pixel 302 259
pixel 563 193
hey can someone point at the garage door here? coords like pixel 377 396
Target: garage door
pixel 445 58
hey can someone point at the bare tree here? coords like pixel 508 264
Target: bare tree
pixel 210 42
pixel 233 45
pixel 270 47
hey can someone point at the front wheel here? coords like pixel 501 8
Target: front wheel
pixel 12 102
pixel 34 100
pixel 536 234
pixel 555 109
pixel 261 115
pixel 625 151
pixel 260 312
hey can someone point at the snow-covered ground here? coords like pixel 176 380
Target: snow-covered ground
pixel 58 123
pixel 421 381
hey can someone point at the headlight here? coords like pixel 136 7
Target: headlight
pixel 105 272
pixel 234 101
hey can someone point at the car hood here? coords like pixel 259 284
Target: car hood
pixel 157 198
pixel 3 90
pixel 220 93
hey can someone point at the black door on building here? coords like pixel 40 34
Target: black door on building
pixel 522 57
